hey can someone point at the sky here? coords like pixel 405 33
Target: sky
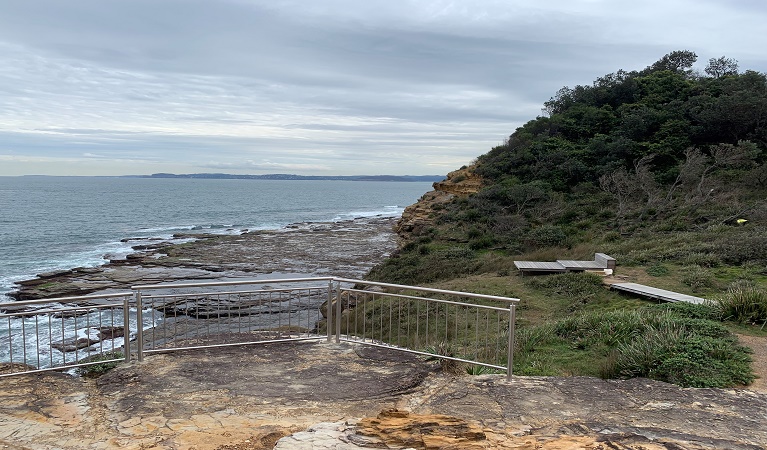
pixel 324 87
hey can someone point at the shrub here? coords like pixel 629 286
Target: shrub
pixel 528 338
pixel 680 352
pixel 668 344
pixel 744 303
pixel 96 370
pixel 449 366
pixel 607 328
pixel 481 242
pixel 425 266
pixel 705 362
pixel 611 236
pixel 657 270
pixel 697 278
pixel 702 361
pixel 401 269
pixel 741 248
pixel 473 369
pixel 701 259
pixel 709 311
pixel 470 215
pixel 425 239
pixel 474 233
pixel 535 365
pixel 572 285
pixel 547 236
pixel 638 357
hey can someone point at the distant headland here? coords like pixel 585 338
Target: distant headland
pixel 285 176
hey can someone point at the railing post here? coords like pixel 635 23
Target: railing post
pixel 126 327
pixel 510 356
pixel 338 312
pixel 139 327
pixel 329 323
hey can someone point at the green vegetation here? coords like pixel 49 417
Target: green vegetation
pixel 96 370
pixel 664 169
pixel 46 286
pixel 662 152
pixel 744 303
pixel 662 345
pixel 567 324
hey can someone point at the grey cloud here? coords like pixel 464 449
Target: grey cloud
pixel 358 86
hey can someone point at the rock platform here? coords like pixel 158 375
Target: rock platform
pixel 345 249
pixel 341 396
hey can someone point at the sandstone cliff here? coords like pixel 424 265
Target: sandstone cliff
pixel 418 216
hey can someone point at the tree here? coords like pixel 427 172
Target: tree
pixel 623 187
pixel 721 67
pixel 677 61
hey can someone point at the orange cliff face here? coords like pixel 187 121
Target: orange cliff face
pixel 416 217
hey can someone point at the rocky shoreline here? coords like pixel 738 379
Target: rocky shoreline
pixel 347 248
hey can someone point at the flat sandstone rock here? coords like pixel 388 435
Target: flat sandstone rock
pixel 342 396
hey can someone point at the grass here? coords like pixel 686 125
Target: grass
pixel 431 326
pixel 570 324
pixel 672 345
pixel 744 303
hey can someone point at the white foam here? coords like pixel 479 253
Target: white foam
pixel 38 337
pixel 165 229
pixel 387 211
pixel 223 229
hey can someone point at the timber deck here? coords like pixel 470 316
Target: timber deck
pixel 600 262
pixel 540 266
pixel 658 294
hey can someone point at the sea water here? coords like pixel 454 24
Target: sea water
pixel 55 223
pixel 58 223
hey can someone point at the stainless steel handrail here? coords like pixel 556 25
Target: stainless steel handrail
pixel 432 290
pixel 227 283
pixel 439 318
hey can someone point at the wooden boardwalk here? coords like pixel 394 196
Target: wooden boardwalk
pixel 540 266
pixel 659 294
pixel 600 262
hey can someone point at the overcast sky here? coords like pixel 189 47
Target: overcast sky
pixel 100 87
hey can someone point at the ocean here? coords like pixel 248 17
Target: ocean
pixel 56 223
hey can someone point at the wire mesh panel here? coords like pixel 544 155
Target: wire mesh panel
pixel 64 333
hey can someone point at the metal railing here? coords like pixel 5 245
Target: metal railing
pixel 230 313
pixel 449 325
pixel 452 326
pixel 65 333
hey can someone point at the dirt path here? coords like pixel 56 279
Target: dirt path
pixel 759 345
